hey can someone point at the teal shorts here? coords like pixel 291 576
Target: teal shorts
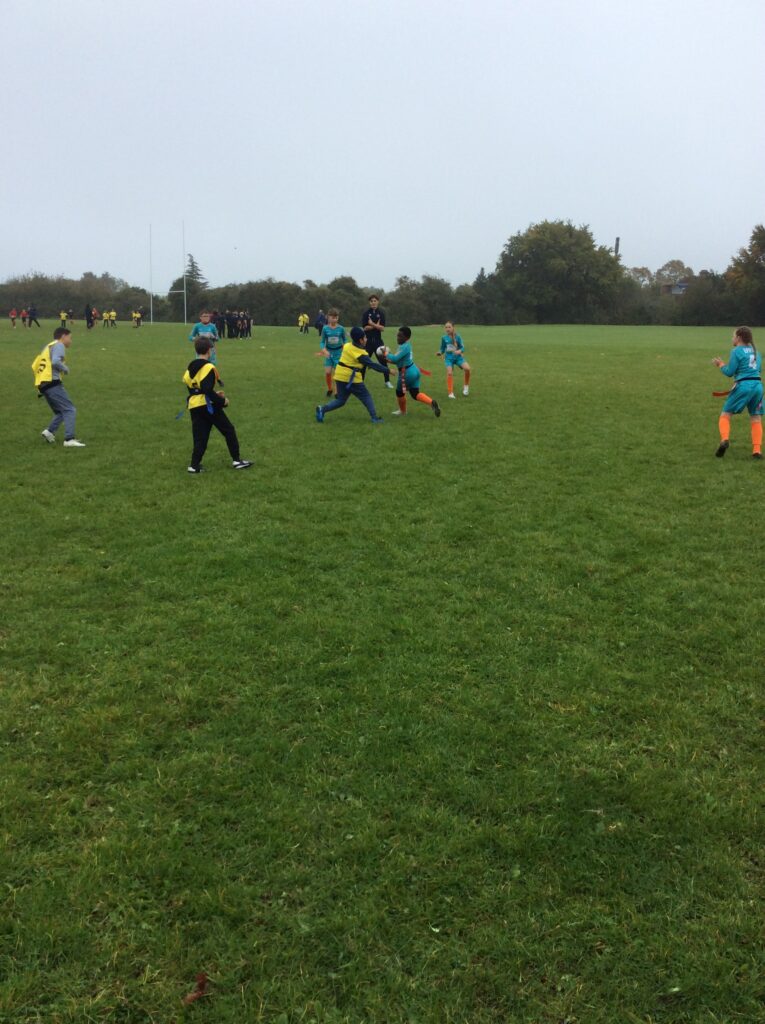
pixel 453 359
pixel 747 395
pixel 331 361
pixel 412 376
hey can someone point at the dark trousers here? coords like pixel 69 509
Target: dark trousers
pixel 201 425
pixel 344 392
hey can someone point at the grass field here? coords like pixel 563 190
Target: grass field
pixel 449 721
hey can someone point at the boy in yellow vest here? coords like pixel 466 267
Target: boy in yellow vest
pixel 349 378
pixel 47 368
pixel 206 404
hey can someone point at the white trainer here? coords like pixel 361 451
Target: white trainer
pixel 466 391
pixel 73 443
pixel 50 438
pixel 450 395
pixel 398 412
pixel 388 384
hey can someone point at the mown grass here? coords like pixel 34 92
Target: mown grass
pixel 449 721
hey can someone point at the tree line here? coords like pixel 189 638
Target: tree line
pixel 553 272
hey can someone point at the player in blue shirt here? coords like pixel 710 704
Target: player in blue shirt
pixel 453 351
pixel 332 340
pixel 206 329
pixel 745 366
pixel 408 373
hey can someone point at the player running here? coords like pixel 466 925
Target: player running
pixel 744 365
pixel 349 379
pixel 453 351
pixel 408 373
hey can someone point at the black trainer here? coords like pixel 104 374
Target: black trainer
pixel 722 449
pixel 436 409
pixel 241 464
pixel 192 469
pixel 756 455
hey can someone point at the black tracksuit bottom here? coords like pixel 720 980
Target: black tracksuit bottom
pixel 201 425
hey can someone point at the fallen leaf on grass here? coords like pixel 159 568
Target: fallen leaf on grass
pixel 199 990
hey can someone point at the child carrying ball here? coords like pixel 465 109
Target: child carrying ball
pixel 408 374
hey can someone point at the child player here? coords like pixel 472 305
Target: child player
pixel 744 365
pixel 349 378
pixel 332 340
pixel 206 329
pixel 206 404
pixel 453 351
pixel 373 322
pixel 408 374
pixel 48 368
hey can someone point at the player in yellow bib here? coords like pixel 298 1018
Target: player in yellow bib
pixel 349 380
pixel 206 403
pixel 48 368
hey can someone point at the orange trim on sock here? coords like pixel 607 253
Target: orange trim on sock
pixel 467 377
pixel 401 402
pixel 450 383
pixel 328 378
pixel 422 397
pixel 724 426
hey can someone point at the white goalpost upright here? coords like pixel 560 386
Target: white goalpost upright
pixel 177 291
pixel 151 286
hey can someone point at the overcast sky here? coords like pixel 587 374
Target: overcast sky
pixel 312 138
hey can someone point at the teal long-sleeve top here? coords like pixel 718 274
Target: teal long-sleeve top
pixel 456 343
pixel 402 356
pixel 744 363
pixel 200 329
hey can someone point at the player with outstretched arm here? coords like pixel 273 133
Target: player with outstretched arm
pixel 408 374
pixel 349 380
pixel 745 366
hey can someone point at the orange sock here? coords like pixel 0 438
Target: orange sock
pixel 757 437
pixel 328 379
pixel 422 397
pixel 450 383
pixel 401 402
pixel 467 377
pixel 724 425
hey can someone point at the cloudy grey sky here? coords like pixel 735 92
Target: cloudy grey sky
pixel 312 138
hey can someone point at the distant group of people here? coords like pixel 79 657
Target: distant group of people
pixel 303 321
pixel 108 318
pixel 27 316
pixel 232 323
pixel 92 315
